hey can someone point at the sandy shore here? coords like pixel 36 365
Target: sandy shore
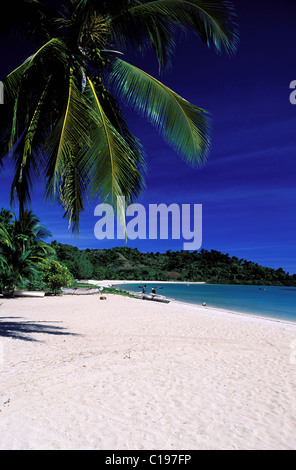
pixel 109 283
pixel 80 373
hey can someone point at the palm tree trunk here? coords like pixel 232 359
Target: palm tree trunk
pixel 11 292
pixel 21 209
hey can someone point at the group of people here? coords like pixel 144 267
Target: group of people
pixel 153 291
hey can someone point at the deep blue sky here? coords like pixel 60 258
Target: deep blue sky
pixel 247 187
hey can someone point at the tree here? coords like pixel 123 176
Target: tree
pixel 22 249
pixel 62 120
pixel 56 276
pixel 84 267
pixel 5 217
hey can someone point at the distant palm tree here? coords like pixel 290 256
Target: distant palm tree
pixel 62 119
pixel 30 229
pixel 22 249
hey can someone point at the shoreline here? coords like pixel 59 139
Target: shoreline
pixel 225 311
pixel 110 283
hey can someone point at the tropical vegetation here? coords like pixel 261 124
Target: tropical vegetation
pixel 55 276
pixel 28 262
pixel 62 122
pixel 23 251
pixel 209 266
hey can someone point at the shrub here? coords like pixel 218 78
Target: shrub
pixel 56 276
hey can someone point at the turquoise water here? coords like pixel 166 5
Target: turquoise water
pixel 276 302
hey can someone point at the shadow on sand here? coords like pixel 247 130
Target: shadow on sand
pixel 10 328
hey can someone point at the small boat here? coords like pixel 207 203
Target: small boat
pixel 80 291
pixel 156 298
pixel 25 293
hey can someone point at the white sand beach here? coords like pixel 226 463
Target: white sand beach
pixel 77 372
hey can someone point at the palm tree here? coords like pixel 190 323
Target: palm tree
pixel 30 231
pixel 63 120
pixel 22 249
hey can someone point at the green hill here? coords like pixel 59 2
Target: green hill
pixel 129 263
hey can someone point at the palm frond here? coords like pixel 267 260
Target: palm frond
pixel 73 188
pixel 30 226
pixel 115 168
pixel 23 179
pixel 13 80
pixel 21 84
pixel 69 133
pixel 26 166
pixel 53 47
pixel 184 126
pixel 140 30
pixel 158 20
pixel 114 114
pixel 35 121
pixel 66 170
pixel 14 126
pixel 5 237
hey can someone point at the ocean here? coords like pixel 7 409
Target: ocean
pixel 276 302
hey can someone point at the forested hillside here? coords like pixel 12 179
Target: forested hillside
pixel 207 266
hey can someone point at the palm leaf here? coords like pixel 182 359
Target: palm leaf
pixel 72 189
pixel 139 30
pixel 19 88
pixel 5 237
pixel 13 80
pixel 113 165
pixel 54 46
pixel 213 21
pixel 14 126
pixel 114 114
pixel 23 179
pixel 25 166
pixel 184 126
pixel 34 124
pixel 66 170
pixel 29 225
pixel 158 20
pixel 69 133
pixel 12 84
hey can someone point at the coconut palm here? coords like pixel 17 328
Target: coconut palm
pixel 22 249
pixel 62 120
